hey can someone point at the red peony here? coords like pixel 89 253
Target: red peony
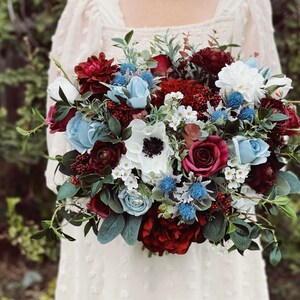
pixel 195 95
pixel 207 157
pixel 212 60
pixel 124 113
pixel 163 64
pixel 159 234
pixel 105 154
pixel 97 206
pixel 58 126
pixel 262 177
pixel 93 72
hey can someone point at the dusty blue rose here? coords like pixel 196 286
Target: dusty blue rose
pixel 82 134
pixel 134 205
pixel 252 151
pixel 137 96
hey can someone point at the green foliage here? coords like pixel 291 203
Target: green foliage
pixel 20 235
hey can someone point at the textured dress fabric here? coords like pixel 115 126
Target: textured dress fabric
pixel 89 270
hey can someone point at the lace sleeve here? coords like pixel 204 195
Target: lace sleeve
pixel 78 35
pixel 259 34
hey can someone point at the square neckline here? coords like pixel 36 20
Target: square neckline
pixel 175 28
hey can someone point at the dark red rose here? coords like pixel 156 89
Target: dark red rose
pixel 212 60
pixel 94 71
pixel 163 64
pixel 106 154
pixel 58 126
pixel 195 95
pixel 97 206
pixel 282 127
pixel 262 177
pixel 159 234
pixel 207 157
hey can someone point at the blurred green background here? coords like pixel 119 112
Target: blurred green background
pixel 28 267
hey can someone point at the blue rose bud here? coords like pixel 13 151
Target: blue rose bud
pixel 137 89
pixel 82 134
pixel 139 92
pixel 134 204
pixel 252 151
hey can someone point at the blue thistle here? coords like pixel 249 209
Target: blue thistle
pixel 219 115
pixel 119 80
pixel 235 100
pixel 127 66
pixel 167 185
pixel 198 191
pixel 248 114
pixel 187 211
pixel 148 77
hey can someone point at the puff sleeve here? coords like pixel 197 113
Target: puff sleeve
pixel 78 35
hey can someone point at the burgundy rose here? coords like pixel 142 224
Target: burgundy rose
pixel 159 234
pixel 163 64
pixel 292 123
pixel 207 157
pixel 58 126
pixel 97 206
pixel 105 154
pixel 262 177
pixel 212 60
pixel 93 72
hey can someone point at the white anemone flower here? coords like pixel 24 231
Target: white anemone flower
pixel 238 77
pixel 148 147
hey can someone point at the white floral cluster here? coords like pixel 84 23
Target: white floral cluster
pixel 124 172
pixel 236 173
pixel 179 113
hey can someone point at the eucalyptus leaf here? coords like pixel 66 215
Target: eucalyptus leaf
pixel 115 204
pixel 128 36
pixel 96 188
pixel 67 190
pixel 292 180
pixel 275 256
pixel 131 229
pixel 215 229
pixel 289 211
pixel 278 117
pixel 114 126
pixel 110 228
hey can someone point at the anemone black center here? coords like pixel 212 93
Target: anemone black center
pixel 153 146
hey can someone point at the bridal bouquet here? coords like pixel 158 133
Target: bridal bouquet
pixel 174 145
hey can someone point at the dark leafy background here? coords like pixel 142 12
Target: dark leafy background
pixel 28 269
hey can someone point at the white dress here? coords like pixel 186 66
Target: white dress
pixel 89 270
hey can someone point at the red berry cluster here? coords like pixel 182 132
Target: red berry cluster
pixel 122 112
pixel 81 165
pixel 222 204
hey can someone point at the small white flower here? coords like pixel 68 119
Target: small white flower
pixel 233 162
pixel 229 173
pixel 117 173
pixel 173 98
pixel 125 174
pixel 242 173
pixel 125 163
pixel 175 121
pixel 233 184
pixel 131 182
pixel 190 115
